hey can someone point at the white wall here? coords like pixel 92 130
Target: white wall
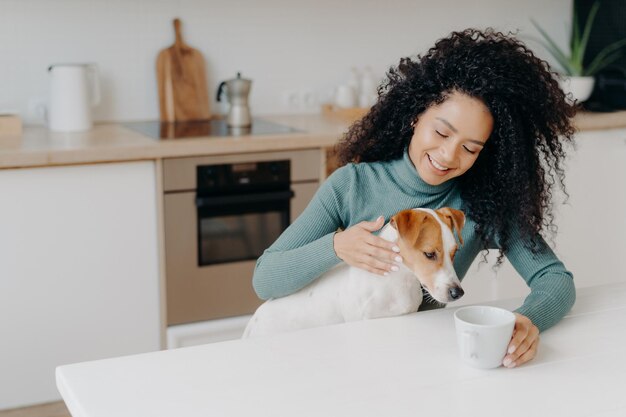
pixel 283 45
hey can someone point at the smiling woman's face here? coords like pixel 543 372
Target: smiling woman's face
pixel 448 138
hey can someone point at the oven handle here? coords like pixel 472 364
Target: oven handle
pixel 243 198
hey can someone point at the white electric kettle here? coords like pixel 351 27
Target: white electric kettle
pixel 74 90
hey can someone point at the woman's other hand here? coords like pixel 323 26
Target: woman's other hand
pixel 358 247
pixel 523 345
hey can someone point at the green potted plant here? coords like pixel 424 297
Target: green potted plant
pixel 578 78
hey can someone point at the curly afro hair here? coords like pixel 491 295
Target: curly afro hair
pixel 509 185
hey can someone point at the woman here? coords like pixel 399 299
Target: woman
pixel 476 124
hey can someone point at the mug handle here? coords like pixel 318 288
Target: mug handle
pixel 95 84
pixel 469 344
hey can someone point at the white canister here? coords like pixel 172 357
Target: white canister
pixel 345 96
pixel 369 93
pixel 74 91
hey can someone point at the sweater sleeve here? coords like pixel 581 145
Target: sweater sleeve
pixel 305 249
pixel 552 291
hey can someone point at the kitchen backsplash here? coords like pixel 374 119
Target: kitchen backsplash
pixel 296 52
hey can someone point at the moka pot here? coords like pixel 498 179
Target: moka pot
pixel 237 92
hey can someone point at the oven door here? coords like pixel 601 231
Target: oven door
pixel 240 227
pixel 217 289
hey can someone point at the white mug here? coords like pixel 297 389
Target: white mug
pixel 483 335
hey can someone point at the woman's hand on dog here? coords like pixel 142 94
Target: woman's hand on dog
pixel 358 247
pixel 523 345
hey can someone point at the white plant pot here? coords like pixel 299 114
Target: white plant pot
pixel 579 87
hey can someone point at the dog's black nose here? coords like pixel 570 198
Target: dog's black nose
pixel 456 293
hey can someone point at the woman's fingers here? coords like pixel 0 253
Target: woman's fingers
pixel 374 266
pixel 523 345
pixel 382 243
pixel 372 259
pixel 528 354
pixel 382 248
pixel 359 247
pixel 382 253
pixel 373 226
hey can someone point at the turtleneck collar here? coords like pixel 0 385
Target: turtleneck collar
pixel 408 175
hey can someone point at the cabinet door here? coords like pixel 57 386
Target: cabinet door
pixel 78 271
pixel 591 236
pixel 303 194
pixel 591 239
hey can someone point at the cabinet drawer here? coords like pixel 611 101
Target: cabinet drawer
pixel 180 173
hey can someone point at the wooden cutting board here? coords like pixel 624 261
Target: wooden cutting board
pixel 181 78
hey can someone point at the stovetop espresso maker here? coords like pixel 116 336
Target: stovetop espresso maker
pixel 237 92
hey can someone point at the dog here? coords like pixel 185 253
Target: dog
pixel 345 293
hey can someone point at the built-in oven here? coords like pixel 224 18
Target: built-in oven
pixel 242 208
pixel 220 214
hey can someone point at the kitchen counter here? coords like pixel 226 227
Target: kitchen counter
pixel 112 142
pixel 401 366
pixel 598 121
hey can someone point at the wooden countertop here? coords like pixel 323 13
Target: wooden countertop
pixel 112 142
pixel 599 121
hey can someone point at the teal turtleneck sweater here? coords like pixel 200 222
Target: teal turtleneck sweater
pixel 362 192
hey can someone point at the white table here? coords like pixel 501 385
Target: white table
pixel 403 366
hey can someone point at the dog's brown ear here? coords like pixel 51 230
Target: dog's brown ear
pixel 453 217
pixel 407 223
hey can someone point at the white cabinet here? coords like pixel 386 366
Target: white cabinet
pixel 208 331
pixel 592 225
pixel 591 237
pixel 79 271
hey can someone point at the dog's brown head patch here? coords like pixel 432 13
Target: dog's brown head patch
pixel 422 246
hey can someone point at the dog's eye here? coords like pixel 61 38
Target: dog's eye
pixel 430 255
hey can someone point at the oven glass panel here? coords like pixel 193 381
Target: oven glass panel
pixel 239 237
pixel 242 209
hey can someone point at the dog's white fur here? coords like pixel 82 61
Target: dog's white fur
pixel 346 293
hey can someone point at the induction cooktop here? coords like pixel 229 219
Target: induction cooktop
pixel 211 128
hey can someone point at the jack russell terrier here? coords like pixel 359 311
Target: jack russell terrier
pixel 347 293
